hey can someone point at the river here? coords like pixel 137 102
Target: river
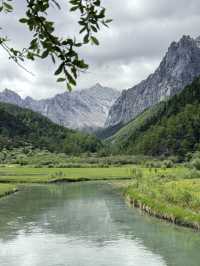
pixel 87 224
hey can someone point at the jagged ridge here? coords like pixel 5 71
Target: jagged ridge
pixel 86 109
pixel 179 67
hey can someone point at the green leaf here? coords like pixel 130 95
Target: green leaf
pixel 23 20
pixel 97 3
pixel 59 70
pixel 8 6
pixel 61 79
pixel 108 21
pixel 45 54
pixel 94 40
pixel 74 8
pixel 69 87
pixel 82 30
pixel 94 28
pixel 86 38
pixel 53 58
pixel 81 64
pixel 74 71
pixel 102 13
pixel 71 79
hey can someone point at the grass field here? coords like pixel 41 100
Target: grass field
pixel 177 201
pixel 19 174
pixel 6 189
pixel 43 175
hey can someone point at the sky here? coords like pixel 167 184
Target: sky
pixel 129 50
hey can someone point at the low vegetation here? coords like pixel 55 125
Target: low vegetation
pixel 28 156
pixel 15 174
pixel 6 189
pixel 174 198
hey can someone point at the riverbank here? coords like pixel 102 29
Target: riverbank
pixel 7 189
pixel 177 202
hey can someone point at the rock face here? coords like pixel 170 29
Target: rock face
pixel 178 68
pixel 83 110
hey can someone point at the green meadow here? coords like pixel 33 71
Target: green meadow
pixel 6 189
pixel 18 174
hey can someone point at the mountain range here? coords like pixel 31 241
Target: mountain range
pixel 179 67
pixel 81 109
pixel 102 107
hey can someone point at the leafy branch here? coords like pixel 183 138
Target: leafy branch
pixel 45 43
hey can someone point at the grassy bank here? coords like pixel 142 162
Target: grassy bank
pixel 7 189
pixel 16 174
pixel 177 201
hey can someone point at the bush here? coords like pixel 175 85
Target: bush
pixel 196 163
pixel 153 164
pixel 168 164
pixel 136 174
pixel 193 174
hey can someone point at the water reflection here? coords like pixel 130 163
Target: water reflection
pixel 87 224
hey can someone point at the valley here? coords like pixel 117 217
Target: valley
pixel 91 149
pixel 154 158
pixel 99 133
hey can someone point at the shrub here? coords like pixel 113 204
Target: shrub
pixel 196 163
pixel 193 174
pixel 168 164
pixel 153 164
pixel 136 174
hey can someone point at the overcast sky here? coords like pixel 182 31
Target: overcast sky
pixel 130 49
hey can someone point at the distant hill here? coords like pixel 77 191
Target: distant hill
pixel 171 127
pixel 21 127
pixel 85 110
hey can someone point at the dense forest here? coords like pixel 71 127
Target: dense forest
pixel 171 127
pixel 20 127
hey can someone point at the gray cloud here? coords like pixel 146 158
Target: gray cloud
pixel 130 50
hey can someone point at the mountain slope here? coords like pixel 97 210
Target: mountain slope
pixel 84 110
pixel 178 68
pixel 21 127
pixel 171 127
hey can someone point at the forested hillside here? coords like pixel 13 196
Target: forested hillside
pixel 21 127
pixel 171 127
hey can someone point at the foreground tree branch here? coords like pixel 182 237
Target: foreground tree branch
pixel 45 43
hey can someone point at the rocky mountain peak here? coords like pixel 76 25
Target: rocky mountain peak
pixel 85 109
pixel 97 85
pixel 180 65
pixel 198 41
pixel 10 96
pixel 8 92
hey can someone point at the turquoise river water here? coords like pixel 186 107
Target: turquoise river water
pixel 87 224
